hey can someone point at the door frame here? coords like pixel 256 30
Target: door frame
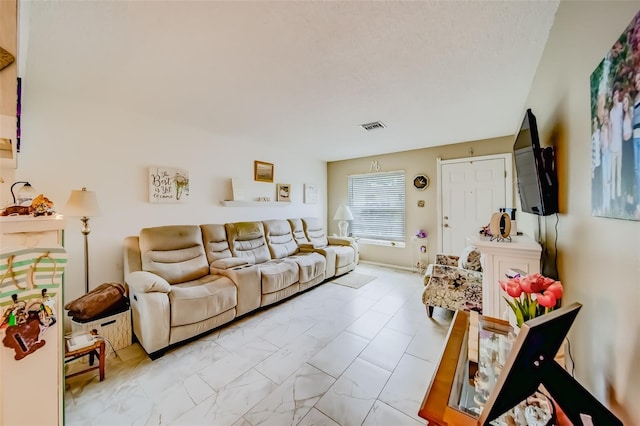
pixel 508 163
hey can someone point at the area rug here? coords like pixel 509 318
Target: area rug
pixel 354 279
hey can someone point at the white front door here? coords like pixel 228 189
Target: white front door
pixel 470 191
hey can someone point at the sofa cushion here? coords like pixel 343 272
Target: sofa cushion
pixel 201 299
pixel 176 253
pixel 278 274
pixel 312 266
pixel 315 232
pixel 297 229
pixel 214 237
pixel 246 240
pixel 279 238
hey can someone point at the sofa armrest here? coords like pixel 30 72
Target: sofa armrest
pixel 150 309
pixel 147 282
pixel 246 278
pixel 229 263
pixel 340 241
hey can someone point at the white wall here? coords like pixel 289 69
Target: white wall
pixel 598 258
pixel 71 144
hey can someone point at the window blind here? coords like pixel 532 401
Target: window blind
pixel 377 201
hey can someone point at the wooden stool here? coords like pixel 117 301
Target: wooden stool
pixel 95 350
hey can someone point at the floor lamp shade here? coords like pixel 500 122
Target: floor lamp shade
pixel 343 214
pixel 83 204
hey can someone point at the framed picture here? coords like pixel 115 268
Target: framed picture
pixel 262 172
pixel 615 146
pixel 167 185
pixel 310 193
pixel 283 192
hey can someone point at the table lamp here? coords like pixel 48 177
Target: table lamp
pixel 343 214
pixel 83 204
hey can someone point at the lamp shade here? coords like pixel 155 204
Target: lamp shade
pixel 82 203
pixel 343 213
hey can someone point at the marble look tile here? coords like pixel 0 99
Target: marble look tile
pixel 282 363
pixel 389 304
pixel 351 397
pixel 409 321
pixel 383 415
pixel 316 418
pixel 386 349
pixel 228 405
pixel 225 370
pixel 292 400
pixel 428 344
pixel 197 389
pixel 215 377
pixel 359 306
pixel 339 354
pixel 284 333
pixel 369 324
pixel 406 388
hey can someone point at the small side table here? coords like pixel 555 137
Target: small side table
pixel 419 254
pixel 95 350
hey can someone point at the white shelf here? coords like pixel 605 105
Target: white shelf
pixel 229 203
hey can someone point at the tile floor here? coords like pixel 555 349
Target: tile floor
pixel 331 356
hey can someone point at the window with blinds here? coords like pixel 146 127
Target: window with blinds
pixel 377 201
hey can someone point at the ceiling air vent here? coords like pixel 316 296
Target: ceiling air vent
pixel 373 125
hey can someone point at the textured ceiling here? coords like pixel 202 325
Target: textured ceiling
pixel 298 74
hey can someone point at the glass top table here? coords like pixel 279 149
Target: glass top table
pixel 476 349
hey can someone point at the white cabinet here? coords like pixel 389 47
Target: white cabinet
pixel 497 258
pixel 31 388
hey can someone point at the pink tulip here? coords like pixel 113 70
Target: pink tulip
pixel 547 299
pixel 557 289
pixel 512 287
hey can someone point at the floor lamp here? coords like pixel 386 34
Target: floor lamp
pixel 83 204
pixel 343 214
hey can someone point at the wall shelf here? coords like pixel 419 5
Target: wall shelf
pixel 229 203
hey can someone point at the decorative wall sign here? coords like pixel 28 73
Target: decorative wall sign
pixel 615 129
pixel 168 185
pixel 283 192
pixel 310 193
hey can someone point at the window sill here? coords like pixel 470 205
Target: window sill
pixel 371 242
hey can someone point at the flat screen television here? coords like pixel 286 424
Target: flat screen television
pixel 535 170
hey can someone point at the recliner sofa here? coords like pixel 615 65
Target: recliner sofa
pixel 185 280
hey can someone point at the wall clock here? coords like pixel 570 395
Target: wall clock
pixel 421 182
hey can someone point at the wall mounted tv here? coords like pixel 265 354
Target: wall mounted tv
pixel 535 170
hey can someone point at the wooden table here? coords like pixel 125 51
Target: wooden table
pixel 95 350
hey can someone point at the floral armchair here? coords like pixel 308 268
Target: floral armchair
pixel 454 282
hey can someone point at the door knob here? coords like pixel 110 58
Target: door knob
pixel 446 225
pixel 446 217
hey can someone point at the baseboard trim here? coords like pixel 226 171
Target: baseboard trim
pixel 387 265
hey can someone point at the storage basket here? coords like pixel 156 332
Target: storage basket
pixel 115 328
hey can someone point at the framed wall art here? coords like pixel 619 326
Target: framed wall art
pixel 262 172
pixel 168 185
pixel 283 192
pixel 310 193
pixel 615 144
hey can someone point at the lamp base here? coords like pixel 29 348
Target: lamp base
pixel 343 226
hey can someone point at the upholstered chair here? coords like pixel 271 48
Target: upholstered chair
pixel 454 282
